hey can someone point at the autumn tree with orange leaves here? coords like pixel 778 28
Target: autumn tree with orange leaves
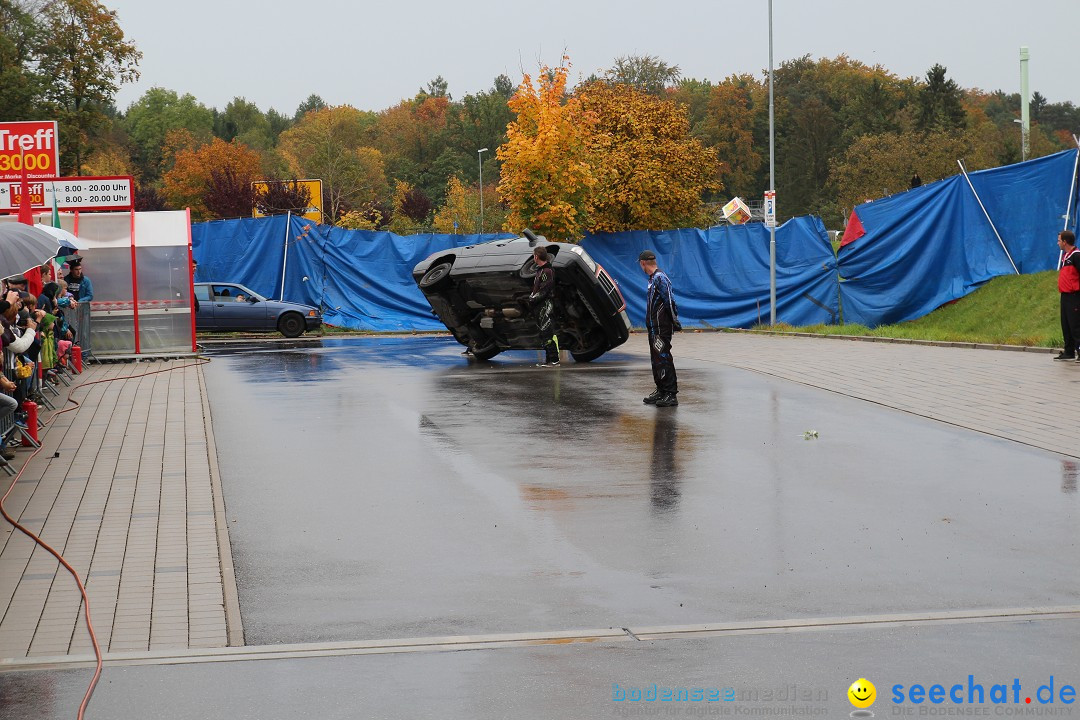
pixel 210 179
pixel 547 171
pixel 649 172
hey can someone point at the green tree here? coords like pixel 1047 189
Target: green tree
pixel 244 122
pixel 694 94
pixel 940 102
pixel 878 165
pixel 412 136
pixel 728 127
pixel 328 144
pixel 153 116
pixel 478 121
pixel 645 72
pixel 86 60
pixel 313 102
pixel 20 85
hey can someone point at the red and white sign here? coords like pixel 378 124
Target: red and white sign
pixel 77 193
pixel 32 145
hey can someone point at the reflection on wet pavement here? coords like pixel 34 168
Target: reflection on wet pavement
pixel 408 491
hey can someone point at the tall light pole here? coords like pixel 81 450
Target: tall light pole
pixel 480 158
pixel 772 185
pixel 1025 101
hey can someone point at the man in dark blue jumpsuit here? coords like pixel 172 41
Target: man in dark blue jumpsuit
pixel 661 320
pixel 543 287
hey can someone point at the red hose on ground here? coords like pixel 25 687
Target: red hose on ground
pixel 54 553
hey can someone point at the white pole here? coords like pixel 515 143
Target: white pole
pixel 1072 185
pixel 1072 190
pixel 772 182
pixel 480 159
pixel 1025 101
pixel 964 170
pixel 285 262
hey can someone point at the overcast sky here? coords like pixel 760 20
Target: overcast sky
pixel 372 54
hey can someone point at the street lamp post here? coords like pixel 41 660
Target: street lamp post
pixel 480 158
pixel 772 183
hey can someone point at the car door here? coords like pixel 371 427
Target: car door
pixel 233 312
pixel 204 317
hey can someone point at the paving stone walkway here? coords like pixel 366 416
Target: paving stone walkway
pixel 129 501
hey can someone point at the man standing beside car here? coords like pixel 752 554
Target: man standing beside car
pixel 543 287
pixel 661 320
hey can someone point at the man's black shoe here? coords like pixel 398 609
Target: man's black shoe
pixel 669 400
pixel 651 399
pixel 1063 356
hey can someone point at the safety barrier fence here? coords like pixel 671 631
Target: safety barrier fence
pixel 912 252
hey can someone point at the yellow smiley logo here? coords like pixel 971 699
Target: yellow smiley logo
pixel 862 693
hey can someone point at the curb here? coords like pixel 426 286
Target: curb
pixel 873 338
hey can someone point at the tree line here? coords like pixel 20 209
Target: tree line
pixel 637 146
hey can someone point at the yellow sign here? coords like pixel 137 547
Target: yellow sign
pixel 314 210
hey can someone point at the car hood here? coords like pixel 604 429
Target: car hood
pixel 286 305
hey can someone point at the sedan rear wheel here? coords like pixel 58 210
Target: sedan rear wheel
pixel 291 325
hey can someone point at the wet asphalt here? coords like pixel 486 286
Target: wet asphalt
pixel 808 673
pixel 389 488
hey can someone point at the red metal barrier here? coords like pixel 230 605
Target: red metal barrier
pixel 31 422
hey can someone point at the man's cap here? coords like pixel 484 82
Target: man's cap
pixel 16 280
pixel 74 260
pixel 647 255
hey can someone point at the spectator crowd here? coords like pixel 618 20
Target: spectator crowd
pixel 36 334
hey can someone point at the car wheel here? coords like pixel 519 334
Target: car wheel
pixel 590 355
pixel 436 277
pixel 291 325
pixel 486 353
pixel 528 269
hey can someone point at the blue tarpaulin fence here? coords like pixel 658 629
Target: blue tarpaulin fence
pixel 934 244
pixel 721 275
pixel 921 249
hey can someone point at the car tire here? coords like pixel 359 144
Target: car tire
pixel 528 269
pixel 487 353
pixel 291 325
pixel 436 277
pixel 590 355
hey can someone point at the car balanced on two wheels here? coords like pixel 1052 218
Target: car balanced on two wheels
pixel 477 291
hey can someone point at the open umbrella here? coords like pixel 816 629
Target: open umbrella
pixel 23 247
pixel 66 239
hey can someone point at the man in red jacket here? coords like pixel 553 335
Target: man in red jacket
pixel 1069 287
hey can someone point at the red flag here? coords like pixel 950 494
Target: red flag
pixel 854 230
pixel 34 283
pixel 26 214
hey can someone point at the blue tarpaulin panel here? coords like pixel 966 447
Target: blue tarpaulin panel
pixel 721 275
pixel 931 245
pixel 361 279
